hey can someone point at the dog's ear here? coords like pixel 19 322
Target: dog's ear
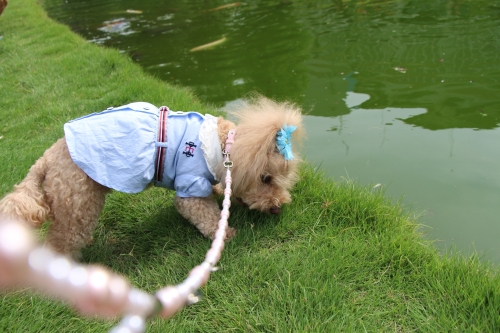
pixel 259 123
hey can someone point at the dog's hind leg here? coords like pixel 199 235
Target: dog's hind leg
pixel 76 201
pixel 27 202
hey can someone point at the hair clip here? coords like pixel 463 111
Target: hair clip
pixel 284 141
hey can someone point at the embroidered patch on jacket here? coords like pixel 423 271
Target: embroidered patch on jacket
pixel 189 150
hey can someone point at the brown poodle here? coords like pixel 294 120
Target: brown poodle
pixel 3 4
pixel 131 147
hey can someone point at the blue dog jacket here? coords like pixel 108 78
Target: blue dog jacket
pixel 117 148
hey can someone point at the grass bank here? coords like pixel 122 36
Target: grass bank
pixel 341 258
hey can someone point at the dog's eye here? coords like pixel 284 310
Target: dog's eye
pixel 266 179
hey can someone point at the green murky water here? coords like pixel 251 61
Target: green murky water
pixel 401 93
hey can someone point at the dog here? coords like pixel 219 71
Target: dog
pixel 3 4
pixel 135 146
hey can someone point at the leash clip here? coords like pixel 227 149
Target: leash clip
pixel 229 143
pixel 227 163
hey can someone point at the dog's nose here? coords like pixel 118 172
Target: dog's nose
pixel 275 210
pixel 241 202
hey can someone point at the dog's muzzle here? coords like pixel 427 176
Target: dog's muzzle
pixel 275 210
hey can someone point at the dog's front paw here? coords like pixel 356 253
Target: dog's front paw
pixel 230 233
pixel 218 190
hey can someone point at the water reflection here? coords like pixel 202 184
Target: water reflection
pixel 445 53
pixel 118 26
pixel 447 175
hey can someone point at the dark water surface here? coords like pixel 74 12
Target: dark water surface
pixel 401 93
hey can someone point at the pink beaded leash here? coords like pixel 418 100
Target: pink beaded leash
pixel 95 290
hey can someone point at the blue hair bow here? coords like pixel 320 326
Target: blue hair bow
pixel 284 141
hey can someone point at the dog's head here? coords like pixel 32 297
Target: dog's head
pixel 265 162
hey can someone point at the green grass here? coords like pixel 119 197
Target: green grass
pixel 341 258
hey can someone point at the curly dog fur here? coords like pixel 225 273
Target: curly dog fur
pixel 56 189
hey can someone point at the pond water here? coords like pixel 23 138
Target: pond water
pixel 401 93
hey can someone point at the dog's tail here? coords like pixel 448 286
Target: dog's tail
pixel 27 201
